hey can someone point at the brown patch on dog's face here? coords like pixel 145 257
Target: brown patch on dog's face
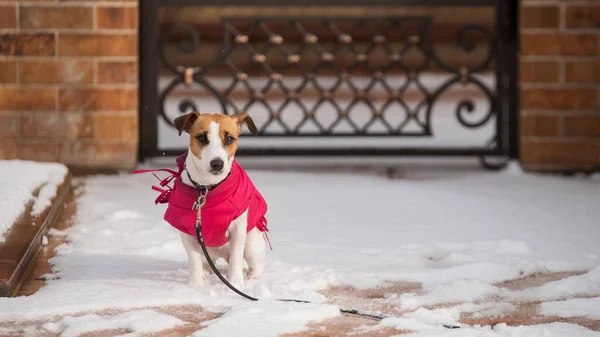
pixel 198 132
pixel 229 132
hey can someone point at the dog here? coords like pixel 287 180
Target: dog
pixel 233 218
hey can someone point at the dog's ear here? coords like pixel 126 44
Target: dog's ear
pixel 185 122
pixel 245 118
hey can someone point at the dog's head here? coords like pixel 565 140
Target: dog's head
pixel 213 143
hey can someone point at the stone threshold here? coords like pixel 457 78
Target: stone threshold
pixel 24 241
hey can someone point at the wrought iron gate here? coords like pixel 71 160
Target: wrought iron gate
pixel 343 85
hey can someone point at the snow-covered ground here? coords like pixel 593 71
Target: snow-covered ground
pixel 457 234
pixel 19 180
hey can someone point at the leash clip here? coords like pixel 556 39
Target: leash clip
pixel 199 203
pixel 201 198
pixel 198 208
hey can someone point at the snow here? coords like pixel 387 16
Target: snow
pixel 502 330
pixel 56 232
pixel 545 330
pixel 457 233
pixel 135 322
pixel 430 323
pixel 454 292
pixel 19 180
pixel 587 284
pixel 56 176
pixel 486 309
pixel 423 319
pixel 259 321
pixel 582 307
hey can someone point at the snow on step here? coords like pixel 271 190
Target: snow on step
pixel 18 181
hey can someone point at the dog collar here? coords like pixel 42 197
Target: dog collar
pixel 203 187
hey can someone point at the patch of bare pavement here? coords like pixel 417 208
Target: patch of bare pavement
pixel 526 313
pixel 343 326
pixel 536 280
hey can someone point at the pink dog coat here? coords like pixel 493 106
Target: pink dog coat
pixel 224 203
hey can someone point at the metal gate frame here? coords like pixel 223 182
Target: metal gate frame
pixel 506 50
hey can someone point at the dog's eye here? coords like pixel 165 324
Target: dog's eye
pixel 202 138
pixel 229 140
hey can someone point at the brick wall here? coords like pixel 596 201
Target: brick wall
pixel 560 91
pixel 68 81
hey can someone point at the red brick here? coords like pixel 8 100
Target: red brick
pixel 8 71
pixel 43 151
pixel 9 126
pixel 583 16
pixel 583 71
pixel 116 127
pixel 8 16
pixel 582 126
pixel 56 17
pixel 117 17
pixel 8 149
pixel 583 44
pixel 27 98
pixel 540 125
pixel 16 44
pixel 98 45
pixel 57 71
pixel 559 153
pixel 117 72
pixel 97 99
pixel 99 155
pixel 539 16
pixel 559 99
pixel 57 126
pixel 539 71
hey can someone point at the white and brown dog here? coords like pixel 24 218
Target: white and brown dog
pixel 233 217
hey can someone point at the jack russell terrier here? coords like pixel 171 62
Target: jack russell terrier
pixel 233 218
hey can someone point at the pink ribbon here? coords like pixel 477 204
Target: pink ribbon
pixel 163 197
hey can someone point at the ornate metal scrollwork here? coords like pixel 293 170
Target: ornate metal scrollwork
pixel 463 76
pixel 189 43
pixel 468 44
pixel 346 50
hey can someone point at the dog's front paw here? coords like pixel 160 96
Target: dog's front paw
pixel 254 272
pixel 196 282
pixel 236 280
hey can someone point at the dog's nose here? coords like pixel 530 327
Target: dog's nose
pixel 217 164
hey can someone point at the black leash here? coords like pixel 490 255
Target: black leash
pixel 198 228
